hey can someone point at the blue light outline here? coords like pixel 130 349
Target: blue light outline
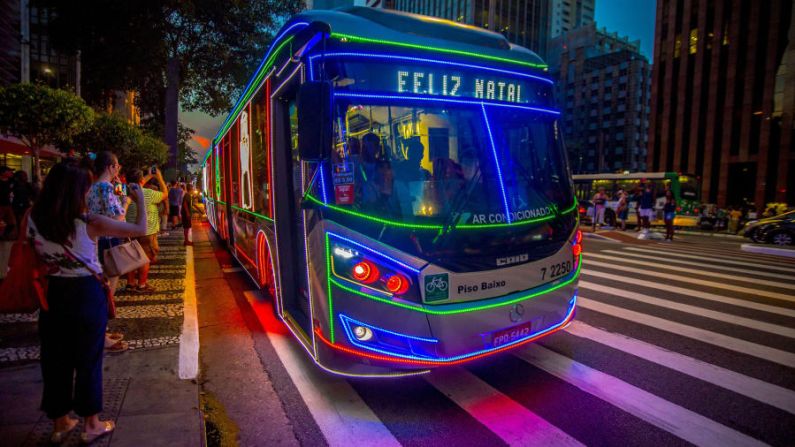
pixel 373 251
pixel 443 360
pixel 323 183
pixel 256 72
pixel 497 164
pixel 346 319
pixel 445 99
pixel 420 59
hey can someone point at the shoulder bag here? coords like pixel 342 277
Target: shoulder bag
pixel 124 258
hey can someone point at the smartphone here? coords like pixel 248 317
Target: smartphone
pixel 153 171
pixel 119 189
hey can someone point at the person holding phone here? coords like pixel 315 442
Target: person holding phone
pixel 72 329
pixel 137 279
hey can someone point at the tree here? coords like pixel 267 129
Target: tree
pixel 41 116
pixel 199 53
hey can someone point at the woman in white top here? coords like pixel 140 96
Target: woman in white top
pixel 72 330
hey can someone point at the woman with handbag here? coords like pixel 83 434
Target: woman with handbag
pixel 72 330
pixel 105 199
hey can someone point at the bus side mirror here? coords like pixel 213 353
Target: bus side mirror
pixel 315 130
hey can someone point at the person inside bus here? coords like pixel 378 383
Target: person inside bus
pixel 599 204
pixel 448 182
pixel 380 196
pixel 411 169
pixel 646 206
pixel 669 210
pixel 365 171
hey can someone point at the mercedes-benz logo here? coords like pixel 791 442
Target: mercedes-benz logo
pixel 516 313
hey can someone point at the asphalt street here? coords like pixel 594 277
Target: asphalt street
pixel 689 342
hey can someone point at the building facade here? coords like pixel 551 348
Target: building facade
pixel 723 98
pixel 566 15
pixel 523 22
pixel 603 89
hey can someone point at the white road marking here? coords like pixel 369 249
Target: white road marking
pixel 339 411
pixel 702 258
pixel 679 421
pixel 693 310
pixel 724 341
pixel 662 265
pixel 756 389
pixel 509 420
pixel 666 259
pixel 717 252
pixel 189 339
pixel 692 292
pixel 700 282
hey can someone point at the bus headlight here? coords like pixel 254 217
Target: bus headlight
pixel 362 333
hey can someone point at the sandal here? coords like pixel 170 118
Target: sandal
pixel 58 437
pixel 116 336
pixel 119 346
pixel 146 288
pixel 88 437
pixel 131 288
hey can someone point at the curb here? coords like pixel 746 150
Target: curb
pixel 766 250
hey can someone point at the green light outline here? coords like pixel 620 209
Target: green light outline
pixel 351 37
pixel 439 227
pixel 261 216
pixel 416 308
pixel 328 286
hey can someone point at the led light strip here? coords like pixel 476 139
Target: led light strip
pixel 444 100
pixel 375 252
pixel 346 319
pixel 418 361
pixel 436 227
pixel 496 164
pixel 353 38
pixel 261 216
pixel 420 59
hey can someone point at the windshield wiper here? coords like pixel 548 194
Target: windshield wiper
pixel 461 198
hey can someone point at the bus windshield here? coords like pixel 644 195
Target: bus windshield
pixel 447 165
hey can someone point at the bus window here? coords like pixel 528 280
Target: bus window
pixel 234 165
pixel 259 154
pixel 688 187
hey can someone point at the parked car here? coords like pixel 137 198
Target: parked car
pixel 778 230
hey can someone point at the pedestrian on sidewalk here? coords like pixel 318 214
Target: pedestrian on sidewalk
pixel 636 196
pixel 105 199
pixel 6 200
pixel 734 220
pixel 599 203
pixel 137 279
pixel 23 196
pixel 646 206
pixel 175 194
pixel 186 214
pixel 622 209
pixel 669 213
pixel 72 330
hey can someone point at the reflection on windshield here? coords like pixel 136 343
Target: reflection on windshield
pixel 437 165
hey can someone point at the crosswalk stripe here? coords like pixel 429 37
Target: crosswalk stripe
pixel 663 265
pixel 679 421
pixel 775 260
pixel 703 258
pixel 689 280
pixel 693 310
pixel 756 389
pixel 710 265
pixel 506 418
pixel 692 293
pixel 342 415
pixel 724 341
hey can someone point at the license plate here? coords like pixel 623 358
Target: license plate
pixel 506 336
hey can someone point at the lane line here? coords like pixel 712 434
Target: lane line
pixel 679 421
pixel 662 265
pixel 713 338
pixel 693 310
pixel 692 292
pixel 709 266
pixel 342 415
pixel 700 282
pixel 506 418
pixel 189 339
pixel 756 389
pixel 712 258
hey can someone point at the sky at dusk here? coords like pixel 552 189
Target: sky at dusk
pixel 632 18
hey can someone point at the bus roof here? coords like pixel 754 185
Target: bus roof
pixel 375 25
pixel 633 175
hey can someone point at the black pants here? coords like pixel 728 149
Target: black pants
pixel 72 336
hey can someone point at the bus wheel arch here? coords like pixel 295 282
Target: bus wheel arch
pixel 265 271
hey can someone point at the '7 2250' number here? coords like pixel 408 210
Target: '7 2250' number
pixel 556 270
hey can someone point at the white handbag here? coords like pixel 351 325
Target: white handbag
pixel 123 258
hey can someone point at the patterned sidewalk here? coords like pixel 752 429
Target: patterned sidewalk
pixel 146 320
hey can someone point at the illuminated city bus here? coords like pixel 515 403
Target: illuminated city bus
pixel 686 190
pixel 398 184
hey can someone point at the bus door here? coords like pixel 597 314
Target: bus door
pixel 289 218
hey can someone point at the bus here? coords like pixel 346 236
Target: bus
pixel 685 188
pixel 398 185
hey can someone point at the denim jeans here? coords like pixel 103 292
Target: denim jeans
pixel 72 336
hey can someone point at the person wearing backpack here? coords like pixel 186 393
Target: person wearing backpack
pixel 72 328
